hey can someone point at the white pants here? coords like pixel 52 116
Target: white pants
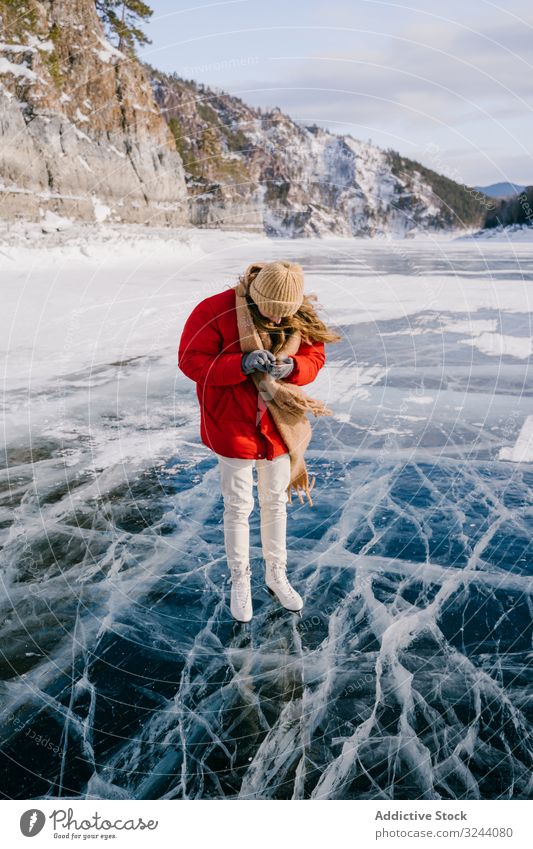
pixel 236 479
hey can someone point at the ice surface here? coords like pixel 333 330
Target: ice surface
pixel 407 675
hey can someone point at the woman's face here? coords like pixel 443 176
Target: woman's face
pixel 270 317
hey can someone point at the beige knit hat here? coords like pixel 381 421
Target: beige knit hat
pixel 278 289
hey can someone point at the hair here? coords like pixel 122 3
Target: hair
pixel 305 319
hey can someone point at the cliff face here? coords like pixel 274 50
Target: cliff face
pixel 246 165
pixel 80 132
pixel 212 136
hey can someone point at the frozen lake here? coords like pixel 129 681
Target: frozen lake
pixel 408 674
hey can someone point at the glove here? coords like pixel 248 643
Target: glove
pixel 260 360
pixel 282 368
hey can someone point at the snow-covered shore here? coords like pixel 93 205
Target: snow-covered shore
pixel 97 294
pixel 512 233
pixel 55 237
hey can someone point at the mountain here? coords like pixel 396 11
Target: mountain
pixel 90 133
pixel 248 167
pixel 501 190
pixel 81 134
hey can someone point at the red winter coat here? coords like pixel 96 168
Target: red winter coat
pixel 231 423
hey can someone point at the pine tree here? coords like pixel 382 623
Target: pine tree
pixel 121 18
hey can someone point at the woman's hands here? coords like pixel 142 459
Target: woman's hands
pixel 282 368
pixel 264 361
pixel 260 360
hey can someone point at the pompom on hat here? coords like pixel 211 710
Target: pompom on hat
pixel 278 288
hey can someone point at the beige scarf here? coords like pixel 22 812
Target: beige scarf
pixel 287 402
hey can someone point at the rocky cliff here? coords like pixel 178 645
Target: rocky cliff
pixel 248 167
pixel 80 132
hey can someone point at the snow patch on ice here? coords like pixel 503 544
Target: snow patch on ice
pixel 343 382
pixel 522 450
pixel 498 345
pixel 420 399
pixel 410 331
pixel 473 327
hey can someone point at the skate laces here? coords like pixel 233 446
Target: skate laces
pixel 280 575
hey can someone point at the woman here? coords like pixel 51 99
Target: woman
pixel 249 349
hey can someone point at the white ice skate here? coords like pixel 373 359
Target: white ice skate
pixel 241 594
pixel 279 586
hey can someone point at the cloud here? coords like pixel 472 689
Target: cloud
pixel 458 74
pixel 439 73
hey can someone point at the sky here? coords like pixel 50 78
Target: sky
pixel 449 84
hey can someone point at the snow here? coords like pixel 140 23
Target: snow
pixel 45 195
pixel 84 164
pixel 107 53
pixel 420 399
pixel 115 150
pixel 471 326
pixel 81 135
pixel 15 48
pixel 35 42
pixel 91 256
pixel 55 223
pixel 147 109
pixel 522 450
pixel 7 67
pixel 512 233
pixel 101 211
pixel 498 345
pixel 486 339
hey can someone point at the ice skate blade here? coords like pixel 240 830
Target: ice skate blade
pixel 273 594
